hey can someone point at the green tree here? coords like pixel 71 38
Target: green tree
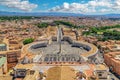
pixel 28 40
pixel 42 25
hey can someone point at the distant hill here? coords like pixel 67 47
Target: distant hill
pixel 112 15
pixel 37 14
pixel 3 13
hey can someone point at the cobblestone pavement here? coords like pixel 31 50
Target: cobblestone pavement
pixel 54 48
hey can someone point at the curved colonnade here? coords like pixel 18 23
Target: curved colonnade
pixel 90 48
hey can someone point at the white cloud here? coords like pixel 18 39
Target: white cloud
pixel 66 5
pixel 89 7
pixel 101 3
pixel 116 5
pixel 104 10
pixel 74 7
pixel 24 5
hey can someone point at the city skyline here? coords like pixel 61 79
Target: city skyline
pixel 64 6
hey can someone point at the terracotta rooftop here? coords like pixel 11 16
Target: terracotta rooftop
pixel 88 73
pixel 24 66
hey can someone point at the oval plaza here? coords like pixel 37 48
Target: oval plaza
pixel 61 49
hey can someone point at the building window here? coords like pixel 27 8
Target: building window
pixel 99 74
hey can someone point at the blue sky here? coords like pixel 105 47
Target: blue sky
pixel 66 6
